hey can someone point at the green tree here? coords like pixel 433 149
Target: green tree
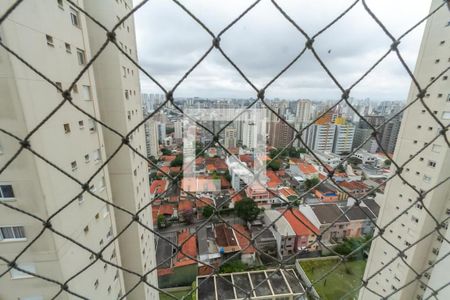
pixel 309 183
pixel 387 162
pixel 166 151
pixel 247 209
pixel 354 246
pixel 233 266
pixel 340 168
pixel 208 211
pixel 161 221
pixel 274 165
pixel 178 161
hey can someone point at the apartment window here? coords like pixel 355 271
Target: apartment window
pixel 431 163
pixel 419 126
pixel 74 165
pixel 437 61
pixel 444 77
pixel 66 128
pixel 17 274
pixel 109 234
pixel 86 229
pixel 97 156
pixel 109 289
pixel 126 94
pixel 96 283
pixel 102 184
pixel 426 178
pixel 414 219
pixel 442 43
pixel 60 3
pixel 87 95
pixel 81 124
pixel 6 192
pixel 49 40
pixel 105 211
pixel 80 199
pixel 446 115
pixel 86 158
pixel 75 88
pixel 12 233
pixel 68 48
pixel 448 98
pixel 101 242
pixel 91 125
pixel 81 57
pixel 105 267
pixel 124 72
pixel 74 17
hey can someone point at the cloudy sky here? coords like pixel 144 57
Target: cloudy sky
pixel 263 42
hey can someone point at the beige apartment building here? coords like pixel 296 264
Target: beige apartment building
pixel 58 40
pixel 425 171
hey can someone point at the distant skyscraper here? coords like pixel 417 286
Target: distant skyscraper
pixel 152 138
pixel 344 134
pixel 178 131
pixel 390 133
pixel 414 232
pixel 230 139
pixel 303 111
pixel 320 135
pixel 281 134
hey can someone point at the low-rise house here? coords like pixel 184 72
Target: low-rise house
pixel 248 252
pixel 185 210
pixel 361 220
pixel 158 186
pixel 263 238
pixel 259 194
pixel 287 194
pixel 327 192
pixel 324 216
pixel 356 189
pixel 208 251
pixel 283 232
pixel 226 239
pixel 306 232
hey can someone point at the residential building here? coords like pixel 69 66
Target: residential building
pixel 303 111
pixel 282 230
pixel 344 134
pixel 152 138
pixel 389 134
pixel 178 131
pixel 324 216
pixel 118 89
pixel 63 42
pixel 306 232
pixel 281 134
pixel 320 135
pixel 415 232
pixel 230 140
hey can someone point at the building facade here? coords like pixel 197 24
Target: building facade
pixel 64 41
pixel 424 171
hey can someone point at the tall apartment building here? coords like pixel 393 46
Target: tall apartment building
pixel 281 134
pixel 344 134
pixel 58 40
pixel 53 37
pixel 425 171
pixel 230 139
pixel 389 134
pixel 119 95
pixel 151 138
pixel 320 135
pixel 303 111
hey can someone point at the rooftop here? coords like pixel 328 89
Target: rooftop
pixel 158 186
pixel 358 213
pixel 328 213
pixel 282 225
pixel 299 223
pixel 269 283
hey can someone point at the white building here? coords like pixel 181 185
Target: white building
pixel 303 111
pixel 178 130
pixel 58 40
pixel 152 138
pixel 425 171
pixel 230 139
pixel 344 134
pixel 282 230
pixel 320 137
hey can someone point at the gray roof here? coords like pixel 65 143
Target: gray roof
pixel 374 207
pixel 328 213
pixel 358 213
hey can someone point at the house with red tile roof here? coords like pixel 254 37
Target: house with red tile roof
pixel 355 188
pixel 248 252
pixel 305 230
pixel 158 186
pixel 226 238
pixel 287 194
pixel 273 180
pixel 188 250
pixel 259 194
